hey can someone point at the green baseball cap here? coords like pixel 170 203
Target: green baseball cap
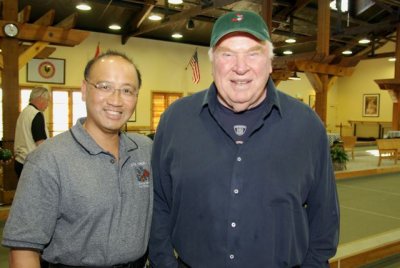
pixel 239 21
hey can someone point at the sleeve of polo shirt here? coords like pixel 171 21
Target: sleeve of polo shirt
pixel 323 212
pixel 161 251
pixel 34 209
pixel 38 128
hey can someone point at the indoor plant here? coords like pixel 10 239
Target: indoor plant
pixel 339 157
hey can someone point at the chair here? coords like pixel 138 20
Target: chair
pixel 349 142
pixel 388 148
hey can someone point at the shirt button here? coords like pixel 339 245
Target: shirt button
pixel 231 256
pixel 236 191
pixel 112 161
pixel 239 159
pixel 233 224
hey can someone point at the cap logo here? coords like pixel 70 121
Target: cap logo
pixel 238 18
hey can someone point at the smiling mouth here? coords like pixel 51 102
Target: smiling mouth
pixel 241 82
pixel 113 113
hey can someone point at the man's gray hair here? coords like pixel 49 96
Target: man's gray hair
pixel 39 92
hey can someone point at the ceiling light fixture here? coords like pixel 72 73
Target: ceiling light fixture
pixel 364 41
pixel 291 39
pixel 175 2
pixel 288 52
pixel 347 52
pixel 176 35
pixel 155 17
pixel 295 77
pixel 114 27
pixel 84 6
pixel 344 5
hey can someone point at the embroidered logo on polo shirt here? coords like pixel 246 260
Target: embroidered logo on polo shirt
pixel 142 174
pixel 239 129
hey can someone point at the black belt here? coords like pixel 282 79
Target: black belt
pixel 140 263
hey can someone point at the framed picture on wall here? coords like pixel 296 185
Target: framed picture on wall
pixel 370 105
pixel 49 70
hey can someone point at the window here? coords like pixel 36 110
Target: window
pixel 24 98
pixel 65 108
pixel 159 102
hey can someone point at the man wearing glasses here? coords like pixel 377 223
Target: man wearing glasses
pixel 85 196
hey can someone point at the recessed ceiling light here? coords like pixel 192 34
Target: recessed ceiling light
pixel 364 41
pixel 288 52
pixel 175 2
pixel 344 6
pixel 392 59
pixel 155 17
pixel 177 35
pixel 347 52
pixel 114 27
pixel 83 6
pixel 290 40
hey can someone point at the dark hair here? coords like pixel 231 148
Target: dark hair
pixel 109 53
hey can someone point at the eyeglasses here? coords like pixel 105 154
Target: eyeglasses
pixel 108 88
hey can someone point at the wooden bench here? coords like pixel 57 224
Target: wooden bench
pixel 388 148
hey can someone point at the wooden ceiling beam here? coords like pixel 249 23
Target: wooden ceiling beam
pixel 192 12
pixel 47 19
pixel 54 35
pixel 41 48
pixel 323 27
pixel 135 23
pixel 30 53
pixel 300 4
pixel 315 81
pixel 69 22
pixel 25 14
pixel 319 68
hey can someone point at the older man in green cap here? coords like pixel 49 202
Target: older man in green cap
pixel 242 172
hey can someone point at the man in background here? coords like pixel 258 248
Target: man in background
pixel 31 129
pixel 85 196
pixel 242 172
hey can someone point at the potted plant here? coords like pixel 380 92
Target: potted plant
pixel 339 157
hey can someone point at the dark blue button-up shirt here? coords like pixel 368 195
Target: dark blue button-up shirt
pixel 270 202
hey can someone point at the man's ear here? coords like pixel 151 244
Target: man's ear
pixel 83 90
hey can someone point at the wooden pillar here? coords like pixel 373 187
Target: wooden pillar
pixel 321 95
pixel 396 105
pixel 10 86
pixel 324 16
pixel 321 98
pixel 266 13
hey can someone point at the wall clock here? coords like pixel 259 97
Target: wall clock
pixel 10 29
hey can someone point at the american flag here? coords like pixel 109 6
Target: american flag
pixel 194 63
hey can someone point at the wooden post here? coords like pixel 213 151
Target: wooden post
pixel 10 86
pixel 396 105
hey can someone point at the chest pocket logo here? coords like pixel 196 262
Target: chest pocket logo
pixel 239 129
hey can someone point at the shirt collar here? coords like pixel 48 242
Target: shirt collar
pixel 89 144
